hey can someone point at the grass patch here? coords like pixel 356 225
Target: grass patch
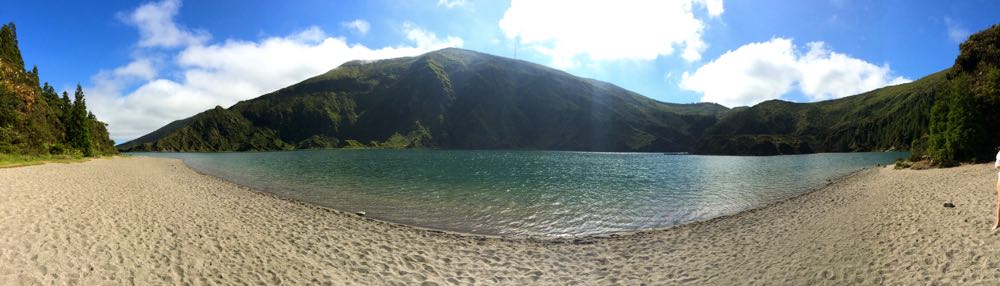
pixel 16 160
pixel 917 165
pixel 902 164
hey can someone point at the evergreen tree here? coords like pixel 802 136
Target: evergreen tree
pixel 66 103
pixel 957 130
pixel 64 107
pixel 9 51
pixel 34 120
pixel 10 136
pixel 52 98
pixel 78 125
pixel 963 122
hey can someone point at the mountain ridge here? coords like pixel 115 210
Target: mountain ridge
pixel 887 118
pixel 455 98
pixel 461 99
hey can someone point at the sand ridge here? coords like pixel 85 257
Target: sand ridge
pixel 146 220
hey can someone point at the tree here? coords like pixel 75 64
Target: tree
pixel 9 51
pixel 963 122
pixel 78 125
pixel 52 98
pixel 34 120
pixel 956 127
pixel 66 103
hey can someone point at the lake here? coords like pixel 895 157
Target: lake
pixel 540 193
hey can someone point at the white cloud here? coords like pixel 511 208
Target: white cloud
pixel 158 29
pixel 607 30
pixel 203 75
pixel 829 75
pixel 752 73
pixel 141 68
pixel 451 3
pixel 956 33
pixel 113 81
pixel 424 38
pixel 714 7
pixel 359 26
pixel 768 70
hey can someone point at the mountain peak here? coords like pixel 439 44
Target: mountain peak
pixel 449 98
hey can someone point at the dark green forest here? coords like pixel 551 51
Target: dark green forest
pixel 35 120
pixel 964 122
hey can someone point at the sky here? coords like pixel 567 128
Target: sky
pixel 143 64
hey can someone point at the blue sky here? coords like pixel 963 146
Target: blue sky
pixel 146 63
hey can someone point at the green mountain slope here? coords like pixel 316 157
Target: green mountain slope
pixel 888 118
pixel 34 120
pixel 950 116
pixel 450 98
pixel 462 99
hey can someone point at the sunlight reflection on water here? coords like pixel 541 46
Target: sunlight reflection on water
pixel 549 193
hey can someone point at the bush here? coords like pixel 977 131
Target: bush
pixel 6 148
pixel 902 164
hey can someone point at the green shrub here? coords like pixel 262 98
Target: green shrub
pixel 901 164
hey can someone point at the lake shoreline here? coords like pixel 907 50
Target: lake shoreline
pixel 555 239
pixel 155 221
pixel 539 193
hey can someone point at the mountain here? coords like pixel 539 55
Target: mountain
pixel 889 118
pixel 462 99
pixel 34 120
pixel 949 116
pixel 451 98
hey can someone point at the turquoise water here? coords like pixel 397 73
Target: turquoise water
pixel 546 193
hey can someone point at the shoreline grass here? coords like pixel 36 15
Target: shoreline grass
pixel 20 160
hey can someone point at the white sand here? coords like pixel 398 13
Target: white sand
pixel 154 221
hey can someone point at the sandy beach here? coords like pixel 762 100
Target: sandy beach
pixel 154 221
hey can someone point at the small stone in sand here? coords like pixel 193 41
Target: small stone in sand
pixel 949 205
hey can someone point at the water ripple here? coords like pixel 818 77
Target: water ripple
pixel 531 192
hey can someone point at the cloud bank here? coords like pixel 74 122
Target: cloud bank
pixel 763 71
pixel 176 72
pixel 608 30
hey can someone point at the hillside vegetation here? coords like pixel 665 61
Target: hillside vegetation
pixel 34 120
pixel 950 116
pixel 462 99
pixel 965 122
pixel 450 98
pixel 888 118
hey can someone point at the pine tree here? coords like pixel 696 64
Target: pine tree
pixel 956 127
pixel 66 103
pixel 78 125
pixel 51 97
pixel 34 120
pixel 9 51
